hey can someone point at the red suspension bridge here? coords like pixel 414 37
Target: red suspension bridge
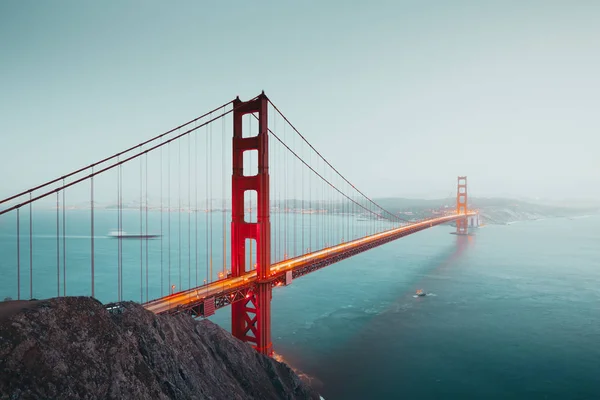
pixel 212 221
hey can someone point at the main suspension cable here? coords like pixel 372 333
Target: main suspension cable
pixel 117 155
pixel 327 162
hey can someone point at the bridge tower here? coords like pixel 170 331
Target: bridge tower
pixel 251 317
pixel 461 205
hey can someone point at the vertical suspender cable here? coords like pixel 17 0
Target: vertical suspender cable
pixel 295 202
pixel 273 167
pixel 196 199
pixel 57 246
pixel 371 220
pixel 339 222
pixel 189 210
pixel 319 217
pixel 348 220
pixel 302 205
pixel 119 231
pixel 278 197
pixel 64 230
pixel 18 255
pixel 141 239
pixel 30 249
pixel 326 210
pixel 329 219
pixel 146 206
pixel 310 205
pixel 121 227
pixel 282 187
pixel 92 226
pixel 334 222
pixel 169 214
pixel 179 210
pixel 210 187
pixel 285 200
pixel 351 217
pixel 276 172
pixel 341 228
pixel 206 197
pixel 348 206
pixel 161 222
pixel 344 231
pixel 281 192
pixel 334 230
pixel 370 217
pixel 272 199
pixel 342 221
pixel 223 183
pixel 354 217
pixel 318 199
pixel 323 228
pixel 321 220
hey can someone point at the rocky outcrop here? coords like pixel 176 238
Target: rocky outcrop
pixel 74 348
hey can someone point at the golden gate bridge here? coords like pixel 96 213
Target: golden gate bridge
pixel 244 212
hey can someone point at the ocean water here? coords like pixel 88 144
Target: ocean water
pixel 189 251
pixel 512 312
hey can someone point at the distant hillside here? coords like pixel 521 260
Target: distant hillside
pixel 396 204
pixel 493 210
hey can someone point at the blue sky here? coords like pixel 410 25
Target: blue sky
pixel 401 96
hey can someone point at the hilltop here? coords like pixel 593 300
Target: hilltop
pixel 72 347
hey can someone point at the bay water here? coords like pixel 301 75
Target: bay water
pixel 511 312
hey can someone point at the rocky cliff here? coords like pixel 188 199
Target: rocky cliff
pixel 74 348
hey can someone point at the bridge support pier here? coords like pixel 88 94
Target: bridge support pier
pixel 251 317
pixel 461 206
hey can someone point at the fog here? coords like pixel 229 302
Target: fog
pixel 400 97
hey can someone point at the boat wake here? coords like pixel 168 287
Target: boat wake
pixel 425 295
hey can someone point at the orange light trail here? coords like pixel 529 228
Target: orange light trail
pixel 197 295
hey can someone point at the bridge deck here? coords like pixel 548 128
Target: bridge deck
pixel 228 290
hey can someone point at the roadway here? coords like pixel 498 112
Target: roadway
pixel 196 296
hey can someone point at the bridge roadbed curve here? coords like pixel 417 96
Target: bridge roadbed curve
pixel 229 290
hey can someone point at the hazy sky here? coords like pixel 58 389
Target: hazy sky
pixel 401 96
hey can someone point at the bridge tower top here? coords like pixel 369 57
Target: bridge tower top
pixel 461 204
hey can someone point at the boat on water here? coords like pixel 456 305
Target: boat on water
pixel 421 292
pixel 125 235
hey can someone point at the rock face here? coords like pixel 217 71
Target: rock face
pixel 74 348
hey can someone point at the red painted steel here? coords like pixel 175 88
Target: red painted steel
pixel 251 318
pixel 461 205
pixel 209 306
pixel 239 289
